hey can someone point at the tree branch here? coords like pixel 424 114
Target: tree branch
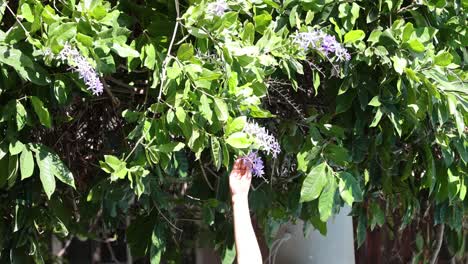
pixel 440 239
pixel 163 78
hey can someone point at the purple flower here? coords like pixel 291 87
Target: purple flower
pixel 307 40
pixel 255 164
pixel 322 42
pixel 81 65
pixel 342 54
pixel 217 8
pixel 266 141
pixel 329 44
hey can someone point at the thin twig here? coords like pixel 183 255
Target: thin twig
pixel 129 252
pixel 111 252
pixel 212 172
pixel 440 239
pixel 163 78
pixel 120 83
pixel 204 176
pixel 17 20
pixel 193 198
pixel 65 247
pixel 165 218
pixel 115 100
pixel 405 8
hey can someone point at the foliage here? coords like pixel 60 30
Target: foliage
pixel 384 132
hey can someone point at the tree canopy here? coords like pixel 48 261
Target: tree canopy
pixel 123 118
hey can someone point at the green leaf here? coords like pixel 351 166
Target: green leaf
pixel 26 164
pixel 12 170
pixel 124 50
pixel 181 114
pixel 293 16
pixel 314 182
pixel 63 32
pixel 198 33
pixel 46 175
pixel 443 59
pixel 430 175
pixel 305 157
pixel 397 123
pixel 399 64
pixel 229 255
pixel 85 39
pixel 262 21
pixel 3 171
pixel 185 52
pixel 56 166
pixel 221 109
pixel 21 115
pixel 226 156
pixel 349 188
pixel 337 154
pixel 274 5
pixel 354 35
pixel 41 111
pixel 16 147
pixel 309 17
pixel 118 167
pixel 377 118
pixel 61 91
pixel 216 152
pixel 158 245
pixel 374 36
pixel 344 102
pixel 26 12
pixel 407 31
pixel 375 101
pixel 205 108
pixel 378 216
pixel 171 147
pixel 235 125
pixel 248 35
pixel 239 140
pixel 361 229
pixel 327 198
pixel 416 45
pixel 23 65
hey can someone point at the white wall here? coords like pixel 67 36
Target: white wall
pixel 336 248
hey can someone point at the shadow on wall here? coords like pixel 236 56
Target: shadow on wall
pixel 336 248
pixel 290 246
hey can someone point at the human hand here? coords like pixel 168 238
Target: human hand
pixel 239 180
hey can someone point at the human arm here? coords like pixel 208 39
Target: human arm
pixel 247 248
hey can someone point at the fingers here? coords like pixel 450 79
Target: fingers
pixel 240 168
pixel 249 174
pixel 237 165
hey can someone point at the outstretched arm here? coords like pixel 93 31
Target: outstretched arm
pixel 248 251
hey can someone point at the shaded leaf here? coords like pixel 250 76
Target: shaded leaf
pixel 314 182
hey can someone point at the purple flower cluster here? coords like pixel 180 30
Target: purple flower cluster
pixel 266 141
pixel 322 42
pixel 255 164
pixel 85 70
pixel 217 8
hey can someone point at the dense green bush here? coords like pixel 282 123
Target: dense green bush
pixel 383 132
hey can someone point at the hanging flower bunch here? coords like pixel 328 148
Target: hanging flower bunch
pixel 80 64
pixel 327 44
pixel 265 142
pixel 217 8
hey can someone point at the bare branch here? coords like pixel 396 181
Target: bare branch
pixel 204 176
pixel 440 239
pixel 163 78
